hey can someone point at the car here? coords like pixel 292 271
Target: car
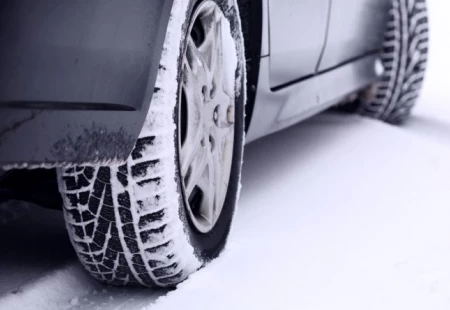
pixel 132 116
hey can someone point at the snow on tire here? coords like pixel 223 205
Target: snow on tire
pixel 128 223
pixel 404 58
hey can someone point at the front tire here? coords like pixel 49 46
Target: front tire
pixel 132 224
pixel 404 59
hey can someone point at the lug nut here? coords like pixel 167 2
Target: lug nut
pixel 230 115
pixel 216 115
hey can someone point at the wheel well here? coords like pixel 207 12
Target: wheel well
pixel 251 13
pixel 38 186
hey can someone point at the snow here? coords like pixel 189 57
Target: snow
pixel 339 212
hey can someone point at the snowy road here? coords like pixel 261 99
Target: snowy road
pixel 345 213
pixel 339 212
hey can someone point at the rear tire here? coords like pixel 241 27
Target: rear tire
pixel 129 223
pixel 404 59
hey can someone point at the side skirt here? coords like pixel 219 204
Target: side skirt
pixel 277 110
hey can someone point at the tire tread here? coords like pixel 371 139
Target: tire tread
pixel 404 57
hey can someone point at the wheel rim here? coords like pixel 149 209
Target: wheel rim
pixel 206 116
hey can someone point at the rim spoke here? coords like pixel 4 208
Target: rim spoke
pixel 194 132
pixel 207 208
pixel 189 154
pixel 193 56
pixel 197 62
pixel 197 169
pixel 217 175
pixel 192 88
pixel 211 50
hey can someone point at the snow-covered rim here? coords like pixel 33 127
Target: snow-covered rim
pixel 206 114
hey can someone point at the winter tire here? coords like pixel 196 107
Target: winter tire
pixel 404 60
pixel 167 210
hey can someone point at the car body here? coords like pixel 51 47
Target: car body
pixel 77 78
pixel 135 113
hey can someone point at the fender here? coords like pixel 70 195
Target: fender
pixel 76 77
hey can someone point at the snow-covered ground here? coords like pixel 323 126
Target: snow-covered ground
pixel 339 212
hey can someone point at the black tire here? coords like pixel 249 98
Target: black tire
pixel 128 223
pixel 404 58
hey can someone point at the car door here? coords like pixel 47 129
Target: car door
pixel 297 37
pixel 356 28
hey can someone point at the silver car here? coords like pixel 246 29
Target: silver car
pixel 133 115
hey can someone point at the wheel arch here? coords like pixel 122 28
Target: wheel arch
pixel 76 76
